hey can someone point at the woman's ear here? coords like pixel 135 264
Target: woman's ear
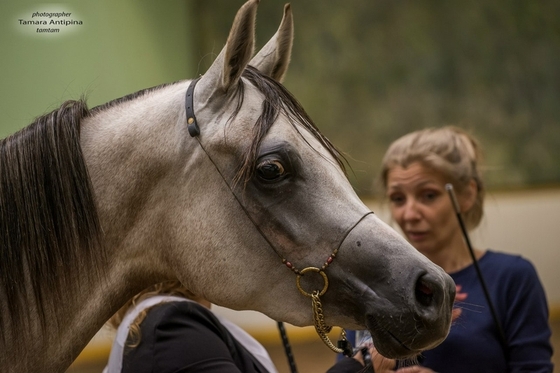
pixel 468 196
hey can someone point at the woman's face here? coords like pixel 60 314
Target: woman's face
pixel 420 205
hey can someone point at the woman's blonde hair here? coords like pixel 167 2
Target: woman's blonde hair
pixel 448 150
pixel 169 288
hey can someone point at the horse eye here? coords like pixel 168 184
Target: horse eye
pixel 270 170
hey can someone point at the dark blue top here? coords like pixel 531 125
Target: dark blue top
pixel 473 344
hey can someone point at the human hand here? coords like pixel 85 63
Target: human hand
pixel 459 297
pixel 380 363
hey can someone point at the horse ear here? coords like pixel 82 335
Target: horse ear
pixel 273 59
pixel 226 70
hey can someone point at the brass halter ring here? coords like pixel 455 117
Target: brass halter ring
pixel 316 270
pixel 343 345
pixel 318 317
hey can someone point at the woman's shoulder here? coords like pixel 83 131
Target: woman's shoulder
pixel 175 325
pixel 504 260
pixel 166 313
pixel 508 266
pixel 183 304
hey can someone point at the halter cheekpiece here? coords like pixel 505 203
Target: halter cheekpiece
pixel 192 125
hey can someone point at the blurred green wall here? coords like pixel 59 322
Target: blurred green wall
pixel 368 72
pixel 120 47
pixel 377 69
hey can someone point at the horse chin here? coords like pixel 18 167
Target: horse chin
pixel 389 343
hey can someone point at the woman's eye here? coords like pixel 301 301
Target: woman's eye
pixel 270 170
pixel 430 195
pixel 396 199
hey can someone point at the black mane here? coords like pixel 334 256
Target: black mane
pixel 48 218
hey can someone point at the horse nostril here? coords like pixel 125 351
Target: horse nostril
pixel 423 292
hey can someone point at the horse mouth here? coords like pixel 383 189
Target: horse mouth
pixel 388 344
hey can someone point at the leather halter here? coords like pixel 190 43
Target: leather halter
pixel 192 125
pixel 322 329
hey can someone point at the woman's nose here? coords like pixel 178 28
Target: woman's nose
pixel 411 210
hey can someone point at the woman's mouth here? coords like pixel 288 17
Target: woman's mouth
pixel 416 236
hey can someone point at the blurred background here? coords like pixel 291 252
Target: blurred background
pixel 367 72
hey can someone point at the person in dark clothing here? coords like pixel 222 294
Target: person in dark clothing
pixel 167 329
pixel 186 335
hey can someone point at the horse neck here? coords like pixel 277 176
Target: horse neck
pixel 53 336
pixel 53 347
pixel 127 149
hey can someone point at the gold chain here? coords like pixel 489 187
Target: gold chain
pixel 320 326
pixel 318 317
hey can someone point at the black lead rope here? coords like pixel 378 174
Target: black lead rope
pixel 287 347
pixel 455 204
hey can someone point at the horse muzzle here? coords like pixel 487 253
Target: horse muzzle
pixel 399 295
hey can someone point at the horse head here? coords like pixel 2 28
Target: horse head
pixel 263 196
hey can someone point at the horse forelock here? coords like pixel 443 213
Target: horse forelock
pixel 50 232
pixel 277 99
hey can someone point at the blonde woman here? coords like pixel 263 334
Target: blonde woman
pixel 415 170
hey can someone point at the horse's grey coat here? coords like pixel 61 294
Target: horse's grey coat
pixel 165 213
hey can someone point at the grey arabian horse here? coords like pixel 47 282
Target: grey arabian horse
pixel 98 204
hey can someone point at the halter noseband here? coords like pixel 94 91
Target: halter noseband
pixel 321 327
